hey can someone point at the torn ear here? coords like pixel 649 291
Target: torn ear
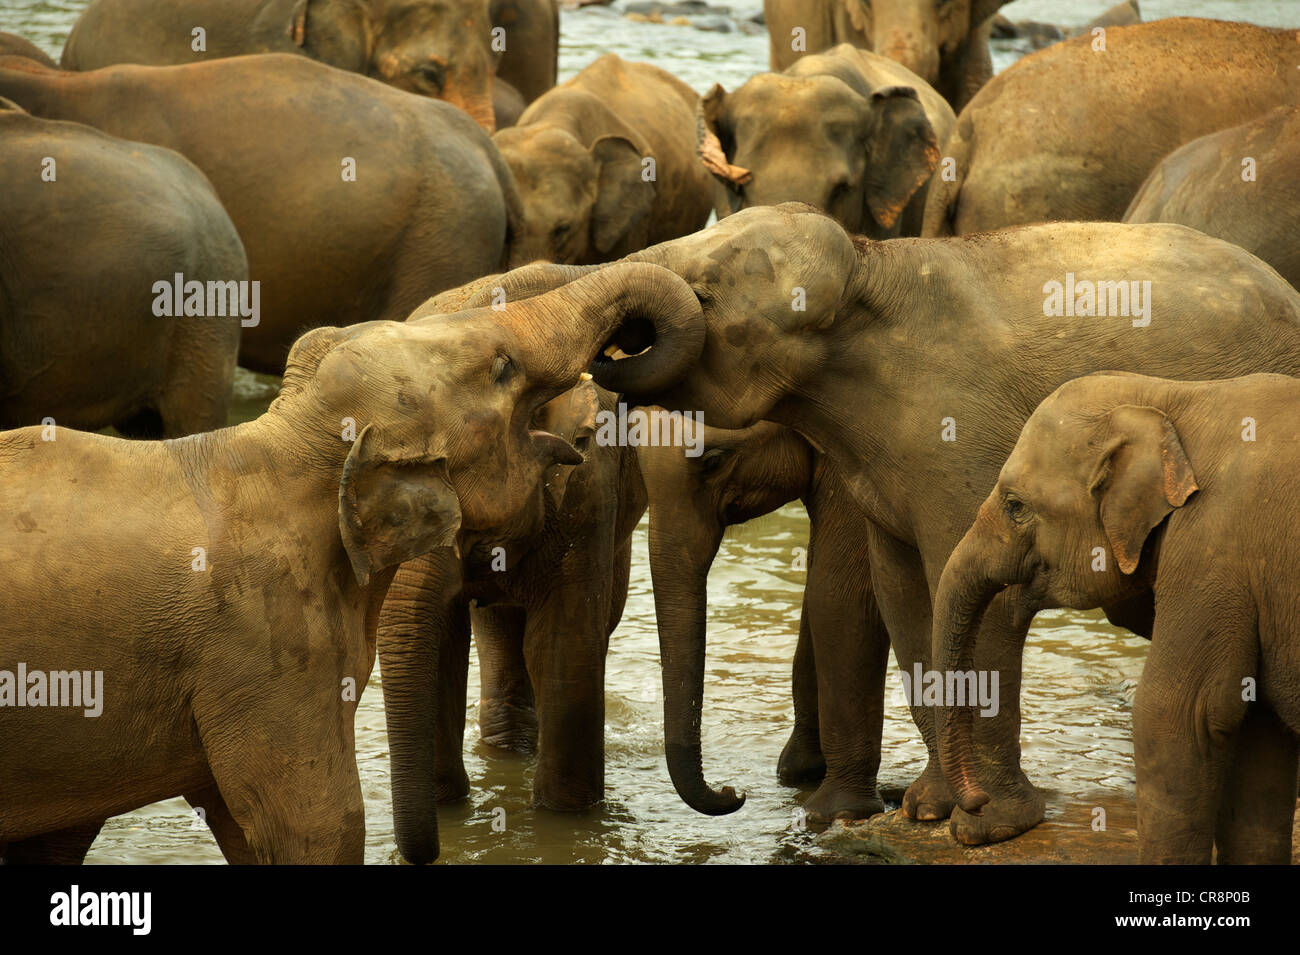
pixel 714 138
pixel 393 508
pixel 1141 476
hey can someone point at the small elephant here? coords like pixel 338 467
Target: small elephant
pixel 848 131
pixel 430 47
pixel 229 626
pixel 1121 485
pixel 739 476
pixel 1019 158
pixel 1240 184
pixel 354 201
pixel 604 165
pixel 88 225
pixel 945 42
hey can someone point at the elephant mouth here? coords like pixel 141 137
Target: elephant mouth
pixel 552 449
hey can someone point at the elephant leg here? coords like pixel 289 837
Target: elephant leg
pixel 1186 717
pixel 898 578
pixel 229 836
pixel 1014 806
pixel 850 638
pixel 298 804
pixel 1257 807
pixel 63 847
pixel 451 782
pixel 802 760
pixel 565 639
pixel 507 716
pixel 196 394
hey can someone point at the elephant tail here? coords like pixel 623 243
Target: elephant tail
pixel 945 185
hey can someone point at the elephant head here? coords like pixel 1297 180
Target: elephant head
pixel 581 204
pixel 823 138
pixel 1068 524
pixel 739 476
pixel 919 35
pixel 438 48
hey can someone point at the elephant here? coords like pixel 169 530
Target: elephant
pixel 876 352
pixel 88 224
pixel 1136 94
pixel 742 475
pixel 604 165
pixel 945 42
pixel 1122 486
pixel 429 47
pixel 848 131
pixel 240 573
pixel 543 596
pixel 1240 184
pixel 13 45
pixel 361 217
pixel 530 61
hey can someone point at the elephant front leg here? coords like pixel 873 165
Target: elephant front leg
pixel 507 715
pixel 230 837
pixel 565 639
pixel 801 759
pixel 851 648
pixel 1186 717
pixel 1257 808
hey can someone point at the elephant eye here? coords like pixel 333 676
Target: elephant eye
pixel 501 368
pixel 435 74
pixel 1017 510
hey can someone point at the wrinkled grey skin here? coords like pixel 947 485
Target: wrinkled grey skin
pixel 579 159
pixel 848 131
pixel 945 42
pixel 79 341
pixel 1202 185
pixel 437 48
pixel 432 204
pixel 1125 485
pixel 302 524
pixel 897 336
pixel 740 476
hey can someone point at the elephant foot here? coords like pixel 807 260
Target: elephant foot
pixel 801 760
pixel 837 799
pixel 1011 810
pixel 508 726
pixel 929 799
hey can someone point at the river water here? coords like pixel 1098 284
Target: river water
pixel 1079 672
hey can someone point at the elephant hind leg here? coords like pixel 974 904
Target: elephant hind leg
pixel 801 759
pixel 1257 806
pixel 64 847
pixel 145 425
pixel 227 832
pixel 507 713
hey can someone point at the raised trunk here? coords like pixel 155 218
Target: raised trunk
pixel 679 566
pixel 965 591
pixel 642 310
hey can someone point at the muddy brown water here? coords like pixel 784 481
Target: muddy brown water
pixel 1079 673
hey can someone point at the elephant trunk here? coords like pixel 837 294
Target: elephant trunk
pixel 679 568
pixel 965 590
pixel 644 311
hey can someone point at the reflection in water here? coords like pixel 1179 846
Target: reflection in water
pixel 1079 672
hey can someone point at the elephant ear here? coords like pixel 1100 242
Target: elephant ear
pixel 393 508
pixel 714 138
pixel 305 356
pixel 621 216
pixel 902 152
pixel 1141 475
pixel 340 33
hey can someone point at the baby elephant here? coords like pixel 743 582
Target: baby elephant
pixel 604 165
pixel 850 132
pixel 1123 486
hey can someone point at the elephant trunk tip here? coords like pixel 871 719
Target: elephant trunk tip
pixel 684 766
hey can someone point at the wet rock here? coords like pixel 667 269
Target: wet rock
pixel 1065 837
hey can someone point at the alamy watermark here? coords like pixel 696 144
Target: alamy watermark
pixel 952 688
pixel 211 299
pixel 74 688
pixel 651 428
pixel 1101 299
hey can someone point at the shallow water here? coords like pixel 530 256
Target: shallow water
pixel 1079 673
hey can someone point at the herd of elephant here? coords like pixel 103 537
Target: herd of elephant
pixel 459 267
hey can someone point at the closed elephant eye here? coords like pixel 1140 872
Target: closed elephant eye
pixel 501 369
pixel 1017 510
pixel 435 74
